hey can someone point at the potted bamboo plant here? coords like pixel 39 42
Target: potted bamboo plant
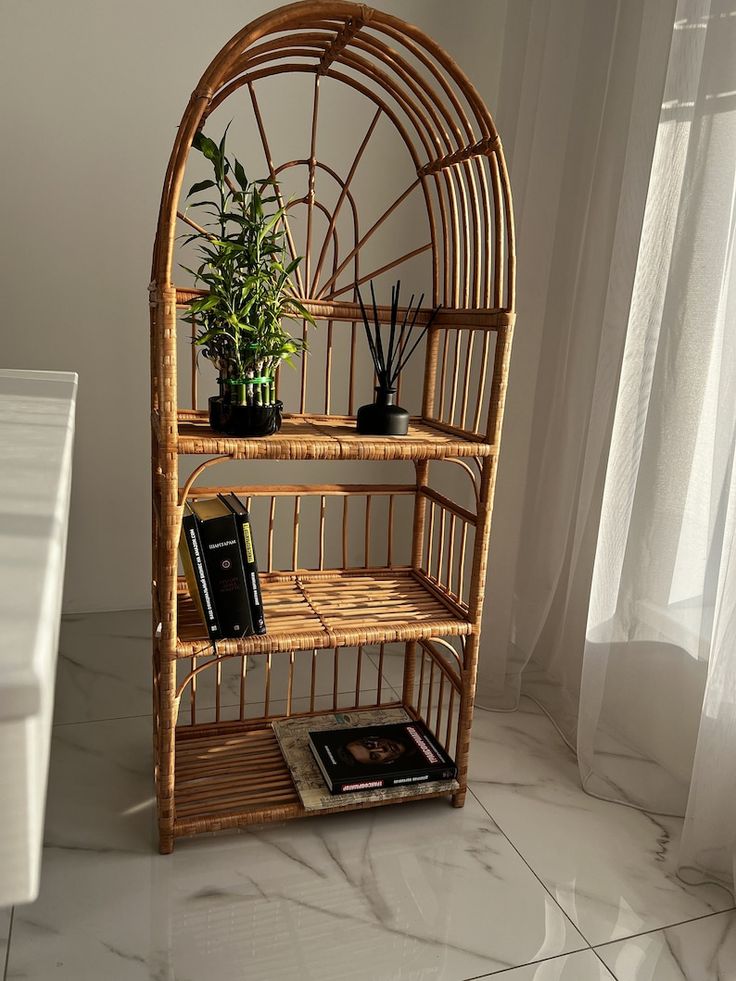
pixel 246 272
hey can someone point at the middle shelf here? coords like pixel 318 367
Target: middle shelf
pixel 336 608
pixel 330 437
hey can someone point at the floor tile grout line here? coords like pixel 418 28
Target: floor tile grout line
pixel 665 926
pixel 569 919
pixel 605 966
pixel 591 945
pixel 539 960
pixel 6 959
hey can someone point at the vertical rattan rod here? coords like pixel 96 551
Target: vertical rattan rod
pixel 409 681
pixel 430 538
pixel 335 677
pixel 267 689
pixel 499 383
pixel 351 373
pixel 482 380
pixel 311 180
pixel 461 561
pixel 295 540
pixel 322 509
pixel 272 174
pixel 443 367
pixel 390 543
pixel 475 606
pixel 328 367
pixel 193 693
pixel 467 377
pixel 422 661
pixel 455 376
pixel 358 670
pixel 194 359
pixel 430 689
pixel 345 501
pixel 243 671
pixel 271 524
pixel 166 564
pixel 290 683
pixel 441 543
pixel 367 544
pixel 510 241
pixel 379 686
pixel 498 234
pixel 450 551
pixel 430 373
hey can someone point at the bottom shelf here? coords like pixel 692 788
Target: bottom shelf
pixel 239 777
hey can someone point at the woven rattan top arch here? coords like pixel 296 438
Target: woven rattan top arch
pixel 435 110
pixel 457 179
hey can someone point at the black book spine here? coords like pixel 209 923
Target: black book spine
pixel 252 580
pixel 224 563
pixel 190 527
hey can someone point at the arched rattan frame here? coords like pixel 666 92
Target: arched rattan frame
pixel 461 176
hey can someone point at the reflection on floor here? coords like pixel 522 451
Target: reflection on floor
pixel 531 881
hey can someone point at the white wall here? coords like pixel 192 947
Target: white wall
pixel 91 96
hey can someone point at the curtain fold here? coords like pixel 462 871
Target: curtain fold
pixel 622 613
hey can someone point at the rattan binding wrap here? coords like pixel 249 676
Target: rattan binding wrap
pixel 217 763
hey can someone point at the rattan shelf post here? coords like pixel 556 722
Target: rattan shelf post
pixel 354 575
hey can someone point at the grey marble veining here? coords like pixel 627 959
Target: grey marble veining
pixel 105 672
pixel 612 868
pixel 701 950
pixel 420 892
pixel 104 669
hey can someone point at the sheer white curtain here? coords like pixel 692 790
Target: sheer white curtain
pixel 623 608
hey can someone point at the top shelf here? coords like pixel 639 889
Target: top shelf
pixel 323 437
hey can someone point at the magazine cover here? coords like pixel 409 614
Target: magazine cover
pixel 369 757
pixel 293 738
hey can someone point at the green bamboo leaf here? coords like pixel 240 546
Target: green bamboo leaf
pixel 200 186
pixel 205 145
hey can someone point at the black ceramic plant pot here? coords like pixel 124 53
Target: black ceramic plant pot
pixel 383 417
pixel 244 420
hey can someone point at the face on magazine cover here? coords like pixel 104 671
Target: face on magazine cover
pixel 370 750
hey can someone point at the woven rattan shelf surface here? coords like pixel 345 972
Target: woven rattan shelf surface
pixel 226 781
pixel 320 437
pixel 333 609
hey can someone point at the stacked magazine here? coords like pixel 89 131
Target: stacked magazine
pixel 363 755
pixel 374 757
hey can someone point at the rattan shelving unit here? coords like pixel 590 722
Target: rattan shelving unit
pixel 353 573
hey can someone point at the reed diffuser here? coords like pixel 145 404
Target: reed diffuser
pixel 383 417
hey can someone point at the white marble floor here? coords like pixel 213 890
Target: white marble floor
pixel 531 881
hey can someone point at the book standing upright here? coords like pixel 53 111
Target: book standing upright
pixel 357 573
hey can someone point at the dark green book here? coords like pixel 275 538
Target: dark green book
pixel 220 537
pixel 250 563
pixel 195 571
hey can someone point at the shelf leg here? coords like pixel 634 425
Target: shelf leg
pixel 410 660
pixel 465 718
pixel 165 754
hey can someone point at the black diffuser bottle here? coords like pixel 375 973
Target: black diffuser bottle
pixel 383 417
